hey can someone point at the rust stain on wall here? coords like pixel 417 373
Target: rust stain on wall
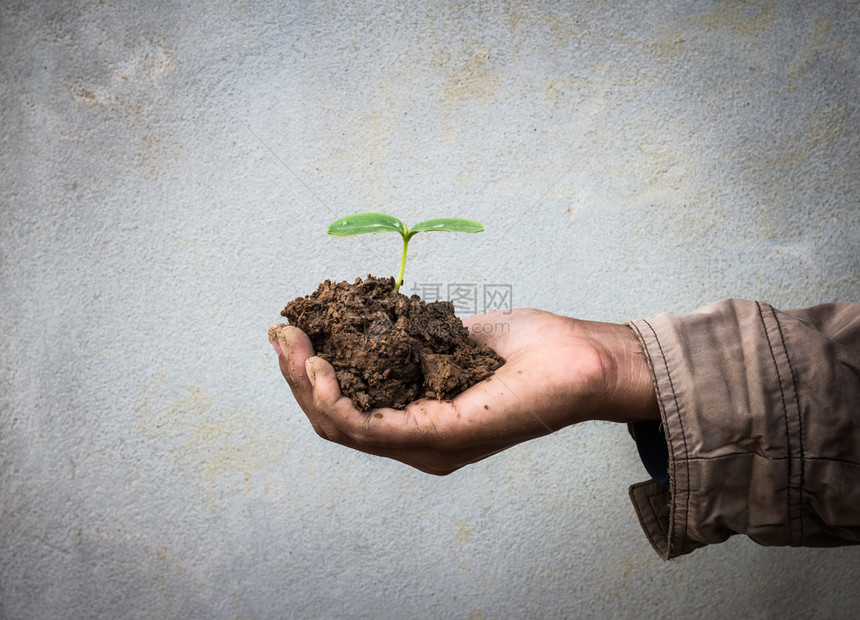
pixel 748 18
pixel 466 79
pixel 473 81
pixel 823 126
pixel 222 448
pixel 812 47
pixel 744 18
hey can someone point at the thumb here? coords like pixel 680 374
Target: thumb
pixel 332 410
pixel 326 390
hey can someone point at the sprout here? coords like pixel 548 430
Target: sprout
pixel 364 223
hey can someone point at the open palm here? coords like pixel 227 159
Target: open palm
pixel 558 371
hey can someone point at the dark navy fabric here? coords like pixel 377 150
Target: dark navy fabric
pixel 652 449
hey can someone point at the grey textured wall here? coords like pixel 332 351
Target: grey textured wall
pixel 166 177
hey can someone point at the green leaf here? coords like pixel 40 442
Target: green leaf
pixel 449 224
pixel 364 223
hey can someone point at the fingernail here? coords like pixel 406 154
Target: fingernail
pixel 278 336
pixel 281 347
pixel 309 367
pixel 285 346
pixel 276 346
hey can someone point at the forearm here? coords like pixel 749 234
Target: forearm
pixel 759 413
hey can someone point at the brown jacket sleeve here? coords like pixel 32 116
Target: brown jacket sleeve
pixel 761 412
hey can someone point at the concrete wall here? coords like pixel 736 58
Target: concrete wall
pixel 167 173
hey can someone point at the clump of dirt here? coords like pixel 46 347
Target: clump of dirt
pixel 388 349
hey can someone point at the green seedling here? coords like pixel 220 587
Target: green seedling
pixel 365 223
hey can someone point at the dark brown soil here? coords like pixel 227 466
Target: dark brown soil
pixel 389 349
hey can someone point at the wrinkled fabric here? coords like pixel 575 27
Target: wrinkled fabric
pixel 761 414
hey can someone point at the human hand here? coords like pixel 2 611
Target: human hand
pixel 558 371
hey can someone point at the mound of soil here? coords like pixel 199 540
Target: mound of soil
pixel 388 349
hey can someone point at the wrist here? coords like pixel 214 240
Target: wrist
pixel 630 395
pixel 640 380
